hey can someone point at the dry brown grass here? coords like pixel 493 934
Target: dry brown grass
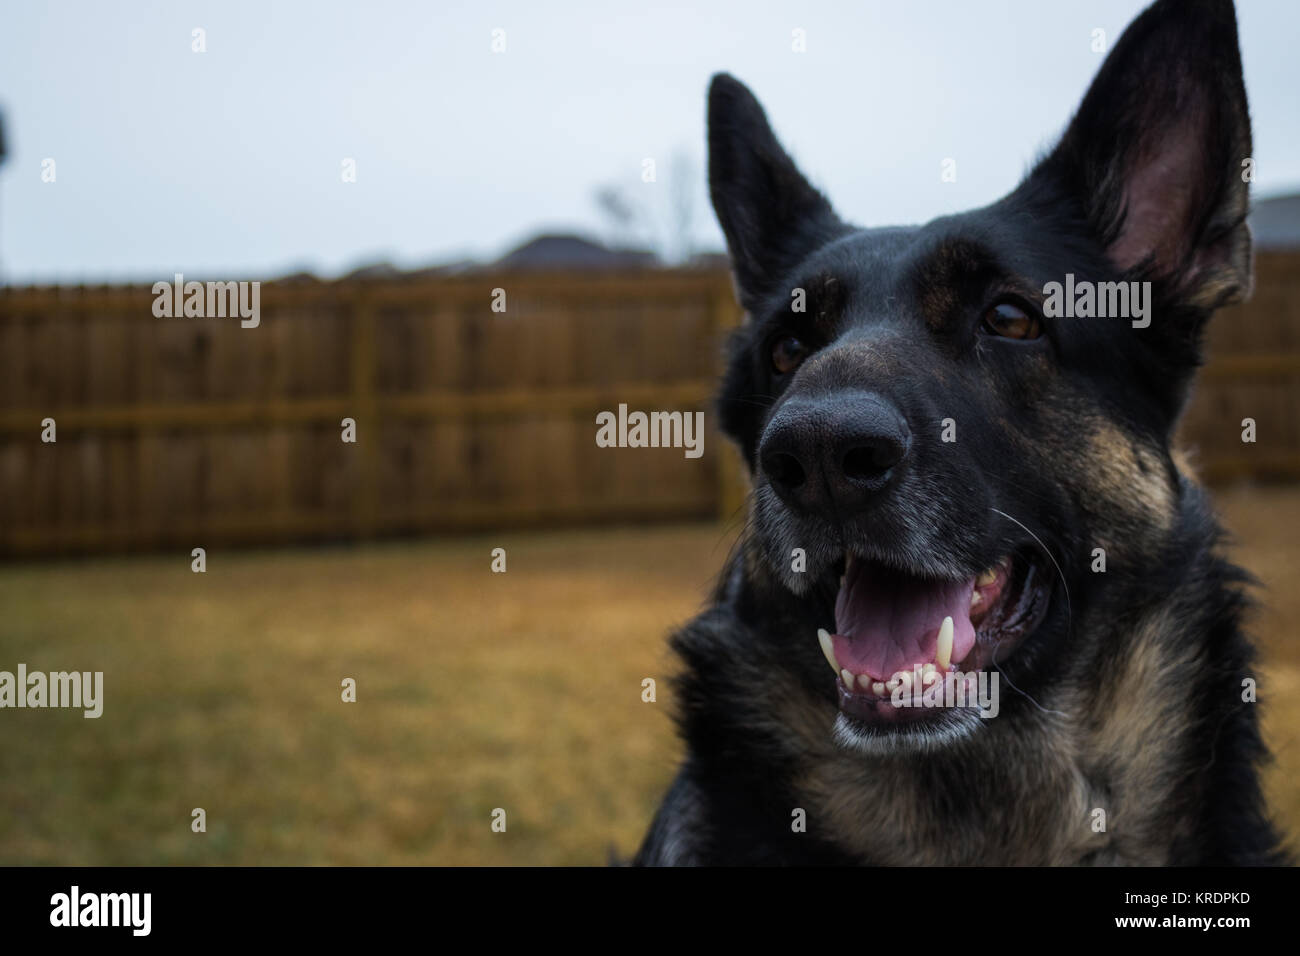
pixel 1264 522
pixel 476 691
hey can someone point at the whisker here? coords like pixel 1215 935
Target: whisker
pixel 1069 614
pixel 1024 694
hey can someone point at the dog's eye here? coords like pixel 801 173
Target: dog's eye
pixel 787 353
pixel 1009 321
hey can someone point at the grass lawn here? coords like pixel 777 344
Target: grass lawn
pixel 474 691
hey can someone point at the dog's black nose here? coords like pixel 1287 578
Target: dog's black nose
pixel 831 455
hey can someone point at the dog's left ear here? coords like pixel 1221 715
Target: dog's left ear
pixel 1157 155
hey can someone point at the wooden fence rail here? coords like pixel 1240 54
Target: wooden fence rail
pixel 185 432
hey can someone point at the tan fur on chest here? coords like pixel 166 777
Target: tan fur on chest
pixel 1043 783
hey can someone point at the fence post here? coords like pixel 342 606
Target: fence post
pixel 365 412
pixel 143 337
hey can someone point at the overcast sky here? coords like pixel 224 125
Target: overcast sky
pixel 228 163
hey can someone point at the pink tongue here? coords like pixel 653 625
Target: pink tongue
pixel 887 621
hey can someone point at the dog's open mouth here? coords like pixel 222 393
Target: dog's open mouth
pixel 898 636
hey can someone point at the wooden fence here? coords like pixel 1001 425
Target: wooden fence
pixel 1253 371
pixel 181 431
pixel 184 432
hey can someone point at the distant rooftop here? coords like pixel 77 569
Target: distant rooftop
pixel 1275 223
pixel 564 251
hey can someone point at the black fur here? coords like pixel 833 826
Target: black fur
pixel 1128 695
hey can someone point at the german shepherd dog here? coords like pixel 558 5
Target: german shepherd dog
pixel 966 493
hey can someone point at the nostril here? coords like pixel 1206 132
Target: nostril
pixel 871 459
pixel 784 469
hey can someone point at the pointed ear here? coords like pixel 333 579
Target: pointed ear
pixel 1156 155
pixel 771 216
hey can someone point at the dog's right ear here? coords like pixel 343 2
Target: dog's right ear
pixel 772 217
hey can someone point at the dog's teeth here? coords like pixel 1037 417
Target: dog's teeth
pixel 944 656
pixel 986 578
pixel 847 678
pixel 828 649
pixel 975 598
pixel 878 688
pixel 864 683
pixel 901 679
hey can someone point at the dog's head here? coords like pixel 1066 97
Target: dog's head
pixel 946 438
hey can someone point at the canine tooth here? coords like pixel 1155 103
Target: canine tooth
pixel 975 598
pixel 986 577
pixel 878 688
pixel 847 678
pixel 944 657
pixel 828 648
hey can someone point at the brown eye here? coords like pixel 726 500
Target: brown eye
pixel 1012 322
pixel 787 353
